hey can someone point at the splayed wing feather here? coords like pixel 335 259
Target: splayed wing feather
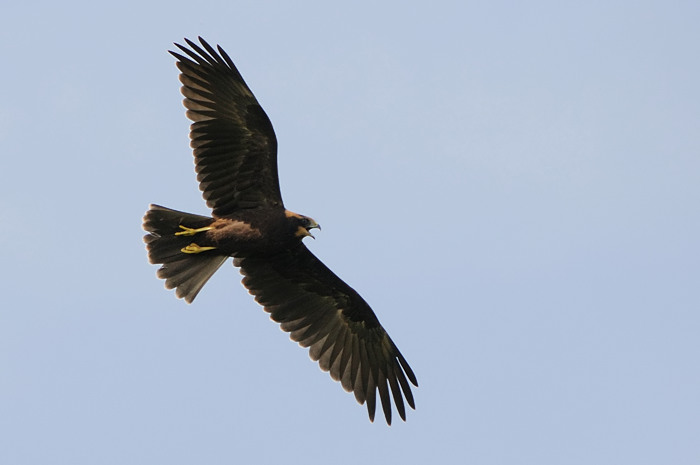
pixel 323 313
pixel 231 135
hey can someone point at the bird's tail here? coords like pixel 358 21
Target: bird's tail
pixel 186 272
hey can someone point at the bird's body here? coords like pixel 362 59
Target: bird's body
pixel 246 232
pixel 235 153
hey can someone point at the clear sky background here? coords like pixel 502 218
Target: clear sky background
pixel 513 186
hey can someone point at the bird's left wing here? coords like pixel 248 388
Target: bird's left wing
pixel 323 313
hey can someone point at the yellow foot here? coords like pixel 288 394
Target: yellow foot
pixel 191 232
pixel 194 248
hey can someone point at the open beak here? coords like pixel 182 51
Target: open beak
pixel 312 226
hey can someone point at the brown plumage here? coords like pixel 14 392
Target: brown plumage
pixel 235 152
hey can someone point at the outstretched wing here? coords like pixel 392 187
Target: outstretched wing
pixel 235 147
pixel 342 332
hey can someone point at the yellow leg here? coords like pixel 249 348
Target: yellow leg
pixel 194 248
pixel 191 232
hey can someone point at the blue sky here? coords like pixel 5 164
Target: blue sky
pixel 513 187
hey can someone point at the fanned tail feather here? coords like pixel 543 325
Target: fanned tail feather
pixel 186 273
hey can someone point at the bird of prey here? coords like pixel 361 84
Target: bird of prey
pixel 235 155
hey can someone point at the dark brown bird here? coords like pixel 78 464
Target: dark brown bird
pixel 235 153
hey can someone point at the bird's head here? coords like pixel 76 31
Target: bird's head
pixel 301 224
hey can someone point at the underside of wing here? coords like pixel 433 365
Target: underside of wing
pixel 234 144
pixel 323 313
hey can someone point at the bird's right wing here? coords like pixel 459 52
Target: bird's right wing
pixel 234 144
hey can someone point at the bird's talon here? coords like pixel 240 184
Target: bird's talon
pixel 191 231
pixel 194 248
